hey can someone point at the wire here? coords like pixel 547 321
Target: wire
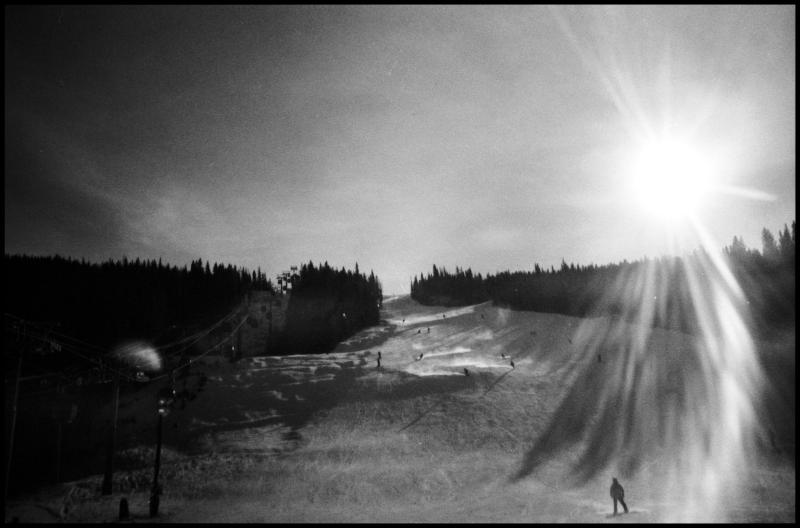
pixel 68 344
pixel 191 360
pixel 194 338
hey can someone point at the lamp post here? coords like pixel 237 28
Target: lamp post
pixel 165 398
pixel 112 434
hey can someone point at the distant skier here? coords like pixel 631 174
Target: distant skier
pixel 443 316
pixel 429 329
pixel 404 321
pixel 512 364
pixel 418 331
pixel 466 372
pixel 379 354
pixel 618 494
pixel 419 356
pixel 503 355
pixel 379 362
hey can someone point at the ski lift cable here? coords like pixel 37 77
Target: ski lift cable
pixel 65 337
pixel 181 367
pixel 101 362
pixel 189 362
pixel 198 337
pixel 192 336
pixel 100 349
pixel 201 333
pixel 187 341
pixel 97 362
pixel 38 325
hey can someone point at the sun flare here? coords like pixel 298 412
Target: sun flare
pixel 670 179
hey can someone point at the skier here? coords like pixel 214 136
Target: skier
pixel 618 494
pixel 429 329
pixel 379 355
pixel 512 364
pixel 379 362
pixel 466 372
pixel 419 356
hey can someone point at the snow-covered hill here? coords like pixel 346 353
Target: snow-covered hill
pixel 445 430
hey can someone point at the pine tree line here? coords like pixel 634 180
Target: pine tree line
pixel 327 306
pixel 766 277
pixel 103 303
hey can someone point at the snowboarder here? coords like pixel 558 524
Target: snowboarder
pixel 618 494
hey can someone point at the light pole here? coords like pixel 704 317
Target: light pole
pixel 109 473
pixel 165 398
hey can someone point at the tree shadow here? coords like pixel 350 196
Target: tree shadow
pixel 625 404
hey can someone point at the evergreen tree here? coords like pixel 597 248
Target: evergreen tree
pixel 769 247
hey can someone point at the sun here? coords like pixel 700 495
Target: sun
pixel 670 179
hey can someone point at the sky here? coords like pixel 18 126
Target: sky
pixel 395 137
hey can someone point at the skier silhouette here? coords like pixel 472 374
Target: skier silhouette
pixel 466 372
pixel 379 354
pixel 419 356
pixel 429 329
pixel 512 364
pixel 618 494
pixel 379 362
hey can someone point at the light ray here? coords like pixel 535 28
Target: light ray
pixel 745 192
pixel 674 408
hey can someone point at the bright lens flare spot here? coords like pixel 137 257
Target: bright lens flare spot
pixel 670 179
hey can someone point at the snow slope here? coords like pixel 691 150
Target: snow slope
pixel 335 438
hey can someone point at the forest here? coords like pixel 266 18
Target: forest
pixel 103 303
pixel 675 284
pixel 327 306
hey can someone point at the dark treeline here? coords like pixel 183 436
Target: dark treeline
pixel 678 287
pixel 106 302
pixel 327 306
